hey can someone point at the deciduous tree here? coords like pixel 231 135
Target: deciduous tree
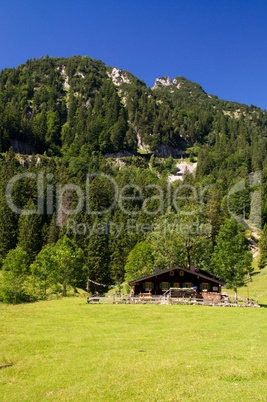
pixel 232 258
pixel 14 275
pixel 140 261
pixel 43 270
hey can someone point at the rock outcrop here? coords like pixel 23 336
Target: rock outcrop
pixel 118 77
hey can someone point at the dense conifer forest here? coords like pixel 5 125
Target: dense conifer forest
pixel 62 119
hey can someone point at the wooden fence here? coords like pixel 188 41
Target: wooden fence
pixel 153 299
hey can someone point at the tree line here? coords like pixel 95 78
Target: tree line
pixel 125 242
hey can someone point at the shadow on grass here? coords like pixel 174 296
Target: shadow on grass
pixel 255 273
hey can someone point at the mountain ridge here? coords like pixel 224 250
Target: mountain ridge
pixel 58 105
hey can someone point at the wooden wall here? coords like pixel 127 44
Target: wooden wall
pixel 175 279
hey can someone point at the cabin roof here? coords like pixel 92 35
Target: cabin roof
pixel 207 276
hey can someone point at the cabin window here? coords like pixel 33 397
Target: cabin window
pixel 188 285
pixel 181 273
pixel 148 286
pixel 165 285
pixel 171 273
pixel 176 285
pixel 205 286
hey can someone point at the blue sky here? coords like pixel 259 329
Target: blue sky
pixel 220 44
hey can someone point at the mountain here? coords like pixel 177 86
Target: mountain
pixel 76 113
pixel 60 105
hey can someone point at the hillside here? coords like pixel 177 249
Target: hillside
pixel 257 288
pixel 62 118
pixel 59 105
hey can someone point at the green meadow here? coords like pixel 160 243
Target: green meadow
pixel 69 350
pixel 257 288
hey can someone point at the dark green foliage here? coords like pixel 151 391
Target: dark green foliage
pixel 56 102
pixel 119 252
pixel 71 113
pixel 30 232
pixel 53 231
pixel 97 262
pixel 8 233
pixel 39 98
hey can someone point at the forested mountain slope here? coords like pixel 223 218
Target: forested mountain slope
pixel 66 115
pixel 59 105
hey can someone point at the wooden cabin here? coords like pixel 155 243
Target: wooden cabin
pixel 179 278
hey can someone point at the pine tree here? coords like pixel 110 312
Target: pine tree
pixel 30 232
pixel 97 262
pixel 8 225
pixel 53 231
pixel 120 249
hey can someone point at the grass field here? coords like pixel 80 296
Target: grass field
pixel 69 350
pixel 257 289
